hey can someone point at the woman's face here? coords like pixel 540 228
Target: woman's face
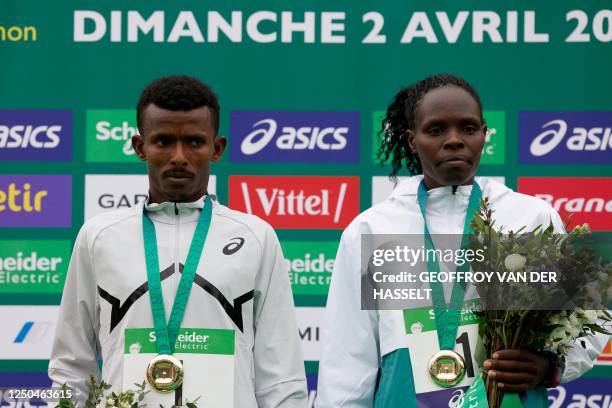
pixel 448 136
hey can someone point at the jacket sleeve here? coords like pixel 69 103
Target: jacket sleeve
pixel 279 367
pixel 74 352
pixel 579 359
pixel 349 363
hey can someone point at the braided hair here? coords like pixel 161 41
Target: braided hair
pixel 400 116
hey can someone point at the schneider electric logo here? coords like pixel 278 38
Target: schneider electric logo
pixel 109 136
pixel 307 137
pixel 35 135
pixel 310 269
pixel 565 137
pixel 33 266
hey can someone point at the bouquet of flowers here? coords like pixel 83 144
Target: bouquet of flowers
pixel 538 317
pixel 124 399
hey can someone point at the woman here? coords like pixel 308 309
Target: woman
pixel 372 358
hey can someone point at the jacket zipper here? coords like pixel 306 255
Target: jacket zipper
pixel 177 239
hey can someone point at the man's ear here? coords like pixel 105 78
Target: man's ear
pixel 220 144
pixel 138 145
pixel 411 144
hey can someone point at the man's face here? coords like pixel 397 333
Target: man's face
pixel 178 147
pixel 448 136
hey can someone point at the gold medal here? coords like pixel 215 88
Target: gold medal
pixel 165 373
pixel 446 368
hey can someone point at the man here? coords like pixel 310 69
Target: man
pixel 374 357
pixel 219 326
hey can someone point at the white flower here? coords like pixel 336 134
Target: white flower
pixel 573 319
pixel 124 404
pixel 110 402
pixel 574 332
pixel 555 319
pixel 558 335
pixel 591 316
pixel 515 262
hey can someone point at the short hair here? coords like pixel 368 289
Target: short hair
pixel 400 118
pixel 178 93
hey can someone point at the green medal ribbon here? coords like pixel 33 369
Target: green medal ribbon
pixel 447 320
pixel 167 333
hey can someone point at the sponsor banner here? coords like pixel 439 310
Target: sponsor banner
pixel 382 186
pixel 493 151
pixel 310 269
pixel 297 202
pixel 310 324
pixel 24 380
pixel 36 135
pixel 27 332
pixel 290 137
pixel 33 266
pixel 584 392
pixel 35 200
pixel 108 192
pixel 605 358
pixel 585 199
pixel 109 135
pixel 565 137
pixel 377 118
pixel 311 383
pixel 34 381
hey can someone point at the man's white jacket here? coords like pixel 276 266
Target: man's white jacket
pixel 352 371
pixel 241 284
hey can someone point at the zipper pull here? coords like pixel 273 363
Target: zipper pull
pixel 455 189
pixel 175 209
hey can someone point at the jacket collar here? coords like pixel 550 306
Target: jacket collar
pixel 409 188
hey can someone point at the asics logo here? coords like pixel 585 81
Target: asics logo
pixel 234 246
pixel 292 138
pixel 581 139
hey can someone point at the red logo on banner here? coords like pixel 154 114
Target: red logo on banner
pixel 297 202
pixel 606 354
pixel 587 199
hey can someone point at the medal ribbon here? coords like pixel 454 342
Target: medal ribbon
pixel 447 319
pixel 166 333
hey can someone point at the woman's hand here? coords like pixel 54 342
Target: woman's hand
pixel 517 370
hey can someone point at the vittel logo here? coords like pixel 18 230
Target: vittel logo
pixel 35 135
pixel 297 202
pixel 566 137
pixel 294 136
